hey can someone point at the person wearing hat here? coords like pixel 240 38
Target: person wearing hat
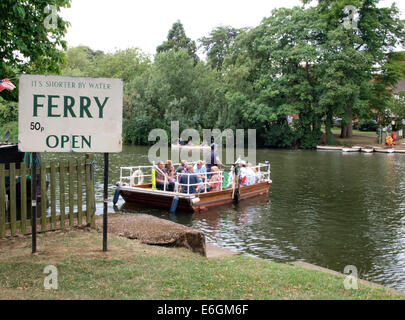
pixel 213 158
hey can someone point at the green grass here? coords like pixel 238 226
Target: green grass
pixel 357 132
pixel 131 270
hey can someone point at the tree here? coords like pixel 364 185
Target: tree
pixel 271 74
pixel 177 40
pixel 125 64
pixel 378 32
pixel 174 88
pixel 82 61
pixel 26 45
pixel 217 44
pixel 382 98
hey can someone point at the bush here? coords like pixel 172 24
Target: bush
pixel 8 111
pixel 279 135
pixel 367 125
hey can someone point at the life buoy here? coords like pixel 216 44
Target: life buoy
pixel 137 174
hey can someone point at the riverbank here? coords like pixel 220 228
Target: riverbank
pixel 131 270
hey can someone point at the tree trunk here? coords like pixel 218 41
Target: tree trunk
pixel 328 128
pixel 347 125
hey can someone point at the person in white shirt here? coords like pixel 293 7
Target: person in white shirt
pixel 250 175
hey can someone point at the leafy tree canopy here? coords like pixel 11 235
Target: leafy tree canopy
pixel 177 40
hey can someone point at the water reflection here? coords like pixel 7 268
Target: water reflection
pixel 328 208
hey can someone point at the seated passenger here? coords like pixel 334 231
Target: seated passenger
pixel 250 175
pixel 204 143
pixel 189 181
pixel 183 165
pixel 215 180
pixel 162 178
pixel 200 169
pixel 170 170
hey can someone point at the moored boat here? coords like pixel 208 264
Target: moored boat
pixel 367 149
pixel 385 150
pixel 399 150
pixel 351 149
pixel 190 147
pixel 144 193
pixel 325 147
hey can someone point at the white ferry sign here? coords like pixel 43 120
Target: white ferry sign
pixel 69 114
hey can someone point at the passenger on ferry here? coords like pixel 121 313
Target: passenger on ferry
pixel 180 142
pixel 213 158
pixel 204 143
pixel 215 181
pixel 250 175
pixel 170 170
pixel 242 173
pixel 183 165
pixel 189 181
pixel 162 177
pixel 200 169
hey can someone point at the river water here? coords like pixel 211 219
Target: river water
pixel 324 207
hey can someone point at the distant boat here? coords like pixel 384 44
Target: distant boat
pixel 385 150
pixel 190 147
pixel 351 149
pixel 323 147
pixel 367 149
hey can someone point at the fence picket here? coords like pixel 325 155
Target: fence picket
pixel 13 200
pixel 2 201
pixel 23 196
pixel 80 186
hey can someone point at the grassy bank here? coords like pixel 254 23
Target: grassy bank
pixel 131 270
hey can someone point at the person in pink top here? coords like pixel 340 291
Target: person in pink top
pixel 215 181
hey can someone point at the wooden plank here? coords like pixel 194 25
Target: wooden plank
pixel 2 201
pixel 48 221
pixel 23 193
pixel 88 190
pixel 13 200
pixel 62 193
pixel 44 199
pixel 71 192
pixel 92 195
pixel 53 190
pixel 79 192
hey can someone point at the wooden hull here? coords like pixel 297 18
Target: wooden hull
pixel 190 203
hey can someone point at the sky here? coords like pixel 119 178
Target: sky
pixel 110 25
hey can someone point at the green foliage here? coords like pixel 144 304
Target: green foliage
pixel 13 128
pixel 278 135
pixel 25 44
pixel 8 111
pixel 177 40
pixel 174 88
pixel 218 43
pixel 367 125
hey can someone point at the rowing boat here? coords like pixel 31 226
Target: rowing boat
pixel 190 147
pixel 145 194
pixel 367 149
pixel 329 147
pixel 385 150
pixel 351 149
